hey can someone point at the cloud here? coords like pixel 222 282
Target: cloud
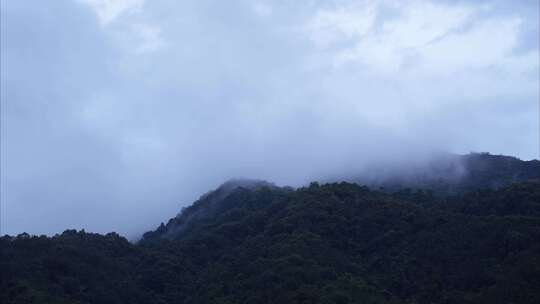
pixel 464 52
pixel 422 37
pixel 342 24
pixel 120 19
pixel 150 37
pixel 117 113
pixel 261 8
pixel 109 10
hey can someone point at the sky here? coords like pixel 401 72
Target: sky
pixel 116 113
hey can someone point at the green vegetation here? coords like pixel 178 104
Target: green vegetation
pixel 452 174
pixel 333 243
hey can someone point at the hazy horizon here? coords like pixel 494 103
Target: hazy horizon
pixel 116 113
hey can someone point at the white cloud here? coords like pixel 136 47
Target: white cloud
pixel 108 10
pixel 122 19
pixel 393 64
pixel 488 43
pixel 343 23
pixel 262 9
pixel 149 37
pixel 426 36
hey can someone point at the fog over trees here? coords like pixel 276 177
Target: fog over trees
pixel 269 151
pixel 117 113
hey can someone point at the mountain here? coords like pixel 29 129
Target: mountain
pixel 253 242
pixel 208 206
pixel 448 174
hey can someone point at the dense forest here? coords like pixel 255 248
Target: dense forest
pixel 476 240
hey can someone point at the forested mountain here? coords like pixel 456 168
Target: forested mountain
pixel 253 242
pixel 448 174
pixel 443 177
pixel 208 206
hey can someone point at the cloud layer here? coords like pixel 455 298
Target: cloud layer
pixel 115 113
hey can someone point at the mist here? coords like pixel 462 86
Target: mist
pixel 116 114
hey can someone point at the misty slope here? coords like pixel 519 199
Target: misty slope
pixel 335 243
pixel 450 174
pixel 443 176
pixel 208 206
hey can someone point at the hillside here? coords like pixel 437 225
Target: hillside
pixel 208 206
pixel 332 243
pixel 447 174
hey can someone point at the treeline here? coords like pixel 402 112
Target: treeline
pixel 333 243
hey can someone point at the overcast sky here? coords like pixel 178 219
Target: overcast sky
pixel 115 113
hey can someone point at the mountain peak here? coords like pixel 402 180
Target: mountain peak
pixel 247 183
pixel 206 207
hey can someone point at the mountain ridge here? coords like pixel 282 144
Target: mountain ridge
pixel 449 174
pixel 452 174
pixel 254 242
